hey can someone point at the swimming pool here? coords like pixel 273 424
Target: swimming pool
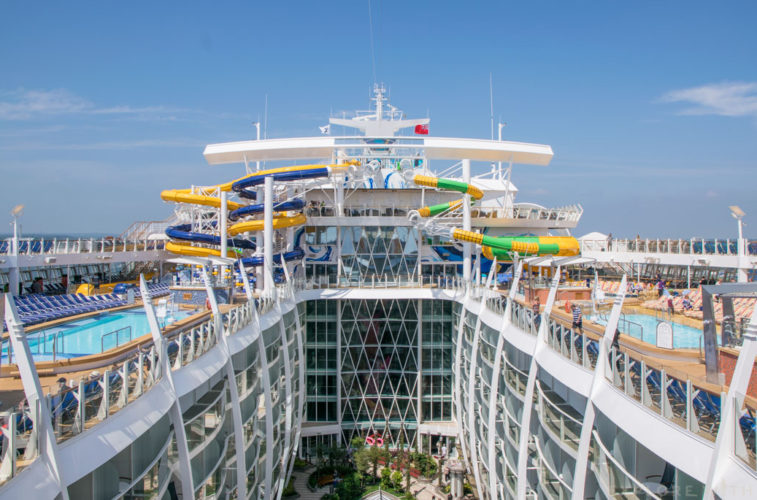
pixel 644 327
pixel 91 335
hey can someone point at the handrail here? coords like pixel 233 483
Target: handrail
pixel 114 332
pixel 556 407
pixel 548 466
pixel 693 246
pixel 617 464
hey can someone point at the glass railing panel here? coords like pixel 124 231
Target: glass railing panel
pixel 612 477
pixel 674 397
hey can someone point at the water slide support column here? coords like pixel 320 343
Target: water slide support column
pixel 14 273
pixel 223 231
pixel 259 270
pixel 268 237
pixel 48 445
pixel 466 225
pixel 742 273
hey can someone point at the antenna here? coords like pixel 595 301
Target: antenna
pixel 491 104
pixel 265 118
pixel 370 31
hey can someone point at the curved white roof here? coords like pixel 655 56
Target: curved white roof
pixel 304 148
pixel 593 236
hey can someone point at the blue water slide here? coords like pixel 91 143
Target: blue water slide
pixel 182 232
pixel 296 254
pixel 241 185
pixel 294 204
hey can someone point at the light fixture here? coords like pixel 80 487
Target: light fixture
pixel 737 212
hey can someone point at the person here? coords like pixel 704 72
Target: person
pixel 687 304
pixel 536 313
pixel 671 307
pixel 578 319
pixel 64 283
pixel 37 285
pixel 660 287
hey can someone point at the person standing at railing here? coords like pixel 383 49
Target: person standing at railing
pixel 578 319
pixel 536 313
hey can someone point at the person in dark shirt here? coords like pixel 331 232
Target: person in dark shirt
pixel 578 319
pixel 536 312
pixel 37 286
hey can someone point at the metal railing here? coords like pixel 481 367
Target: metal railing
pixel 95 398
pixel 675 399
pixel 559 422
pixel 612 477
pixel 124 333
pixel 745 439
pixel 695 246
pixel 79 246
pixel 572 344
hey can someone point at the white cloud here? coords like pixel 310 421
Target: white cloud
pixel 724 99
pixel 25 104
pixel 105 146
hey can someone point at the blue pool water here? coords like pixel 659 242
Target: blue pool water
pixel 91 335
pixel 644 327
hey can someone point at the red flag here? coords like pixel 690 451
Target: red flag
pixel 421 129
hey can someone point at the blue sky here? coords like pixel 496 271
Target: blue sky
pixel 651 107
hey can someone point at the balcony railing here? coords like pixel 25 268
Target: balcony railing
pixel 52 247
pixel 675 398
pixel 94 399
pixel 695 246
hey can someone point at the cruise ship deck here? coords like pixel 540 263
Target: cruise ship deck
pixel 370 287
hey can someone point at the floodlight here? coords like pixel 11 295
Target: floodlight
pixel 737 212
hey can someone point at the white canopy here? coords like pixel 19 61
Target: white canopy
pixel 309 148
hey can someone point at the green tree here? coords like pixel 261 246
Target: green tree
pixel 320 451
pixel 397 480
pixel 363 460
pixel 386 477
pixel 350 488
pixel 357 443
pixel 336 455
pixel 376 455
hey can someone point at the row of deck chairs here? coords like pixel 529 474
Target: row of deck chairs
pixel 156 289
pixel 742 307
pixel 39 308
